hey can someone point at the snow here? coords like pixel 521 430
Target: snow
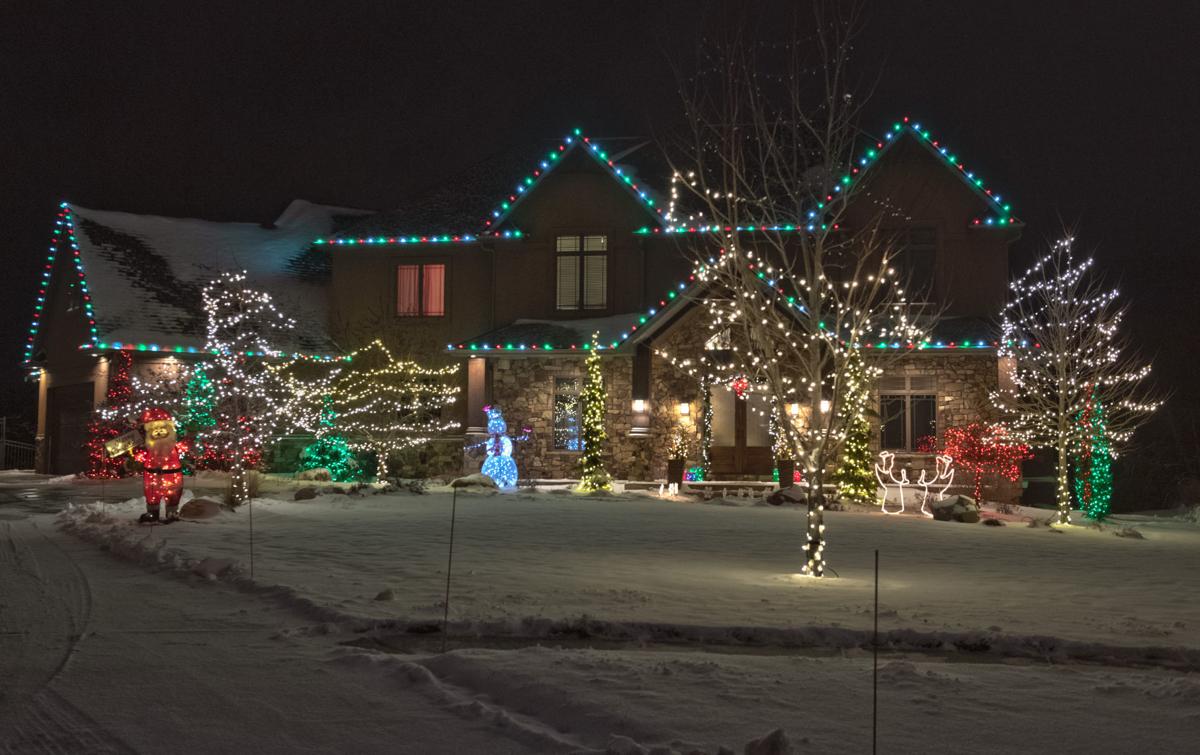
pixel 130 309
pixel 636 565
pixel 580 624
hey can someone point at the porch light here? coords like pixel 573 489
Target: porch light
pixel 639 406
pixel 824 405
pixel 794 410
pixel 684 409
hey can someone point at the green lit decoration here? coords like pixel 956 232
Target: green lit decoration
pixel 855 475
pixel 1093 463
pixel 706 418
pixel 593 475
pixel 331 450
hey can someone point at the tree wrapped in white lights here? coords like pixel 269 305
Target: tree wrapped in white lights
pixel 769 163
pixel 247 394
pixel 387 405
pixel 1064 350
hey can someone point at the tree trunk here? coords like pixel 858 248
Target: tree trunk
pixel 1062 491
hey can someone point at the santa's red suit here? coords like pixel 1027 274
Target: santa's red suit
pixel 162 472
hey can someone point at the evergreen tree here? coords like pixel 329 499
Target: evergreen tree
pixel 331 450
pixel 109 421
pixel 593 475
pixel 855 475
pixel 1093 463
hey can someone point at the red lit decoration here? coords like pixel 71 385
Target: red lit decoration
pixel 985 449
pixel 101 466
pixel 740 385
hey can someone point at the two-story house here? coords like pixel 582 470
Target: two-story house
pixel 579 244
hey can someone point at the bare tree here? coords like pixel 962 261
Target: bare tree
pixel 1064 347
pixel 794 249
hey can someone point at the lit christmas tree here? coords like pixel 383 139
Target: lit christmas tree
pixel 110 421
pixel 388 405
pixel 331 450
pixel 985 449
pixel 1093 462
pixel 855 475
pixel 247 395
pixel 593 475
pixel 1062 339
pixel 706 419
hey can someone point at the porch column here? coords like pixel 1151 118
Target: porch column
pixel 476 395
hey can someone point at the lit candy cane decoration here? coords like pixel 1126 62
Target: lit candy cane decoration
pixel 885 466
pixel 945 472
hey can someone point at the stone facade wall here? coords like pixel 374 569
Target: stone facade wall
pixel 962 381
pixel 523 388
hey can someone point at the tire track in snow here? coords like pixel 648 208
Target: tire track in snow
pixel 45 612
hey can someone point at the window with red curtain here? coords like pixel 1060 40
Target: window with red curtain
pixel 408 290
pixel 433 296
pixel 421 290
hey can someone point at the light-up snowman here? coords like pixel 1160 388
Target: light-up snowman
pixel 499 464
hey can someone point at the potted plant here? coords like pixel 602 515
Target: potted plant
pixel 677 451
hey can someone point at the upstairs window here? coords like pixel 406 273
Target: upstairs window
pixel 907 412
pixel 582 272
pixel 421 290
pixel 915 262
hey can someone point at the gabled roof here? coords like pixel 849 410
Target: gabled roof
pixel 998 213
pixel 141 276
pixel 455 212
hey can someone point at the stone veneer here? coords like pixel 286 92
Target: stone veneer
pixel 524 389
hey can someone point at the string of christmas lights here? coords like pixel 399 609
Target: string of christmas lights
pixel 592 474
pixel 1081 357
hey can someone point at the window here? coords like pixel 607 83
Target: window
pixel 916 262
pixel 582 272
pixel 907 412
pixel 421 290
pixel 567 415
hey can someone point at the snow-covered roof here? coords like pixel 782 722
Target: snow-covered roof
pixel 544 336
pixel 145 273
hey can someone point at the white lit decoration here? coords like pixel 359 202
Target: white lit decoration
pixel 247 395
pixel 943 476
pixel 1062 341
pixel 886 466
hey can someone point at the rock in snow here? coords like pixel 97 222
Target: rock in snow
pixel 199 508
pixel 955 508
pixel 317 474
pixel 793 494
pixel 775 743
pixel 477 480
pixel 388 594
pixel 305 494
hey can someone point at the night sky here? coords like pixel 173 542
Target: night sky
pixel 228 110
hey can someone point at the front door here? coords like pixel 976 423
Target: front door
pixel 741 440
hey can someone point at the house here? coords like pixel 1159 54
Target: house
pixel 579 245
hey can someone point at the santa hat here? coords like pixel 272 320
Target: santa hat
pixel 154 414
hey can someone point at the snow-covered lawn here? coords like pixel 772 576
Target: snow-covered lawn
pixel 527 562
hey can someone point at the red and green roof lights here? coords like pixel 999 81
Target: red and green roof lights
pixel 551 159
pixel 464 238
pixel 64 229
pixel 155 348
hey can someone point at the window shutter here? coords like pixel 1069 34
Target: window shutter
pixel 595 282
pixel 434 300
pixel 408 290
pixel 568 282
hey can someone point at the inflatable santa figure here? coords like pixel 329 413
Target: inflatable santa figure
pixel 162 475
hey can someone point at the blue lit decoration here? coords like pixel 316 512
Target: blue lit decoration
pixel 499 464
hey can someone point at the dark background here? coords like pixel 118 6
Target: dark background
pixel 1079 113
